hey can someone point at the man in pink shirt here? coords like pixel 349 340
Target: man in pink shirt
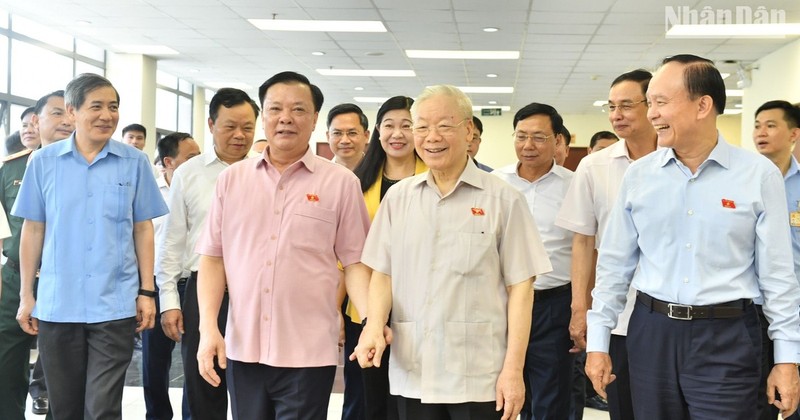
pixel 281 346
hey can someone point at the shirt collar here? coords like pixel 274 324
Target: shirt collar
pixel 470 175
pixel 721 154
pixel 794 169
pixel 161 181
pixel 619 149
pixel 308 160
pixel 112 146
pixel 210 156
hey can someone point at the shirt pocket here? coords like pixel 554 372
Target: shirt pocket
pixel 114 199
pixel 316 229
pixel 469 348
pixel 404 346
pixel 475 254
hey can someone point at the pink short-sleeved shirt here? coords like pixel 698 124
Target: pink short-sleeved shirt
pixel 279 236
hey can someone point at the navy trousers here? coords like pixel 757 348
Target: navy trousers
pixel 273 393
pixel 156 363
pixel 548 362
pixel 353 405
pixel 620 404
pixel 413 409
pixel 699 369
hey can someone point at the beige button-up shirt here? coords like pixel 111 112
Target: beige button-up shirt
pixel 450 259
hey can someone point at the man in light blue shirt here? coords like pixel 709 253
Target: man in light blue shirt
pixel 88 203
pixel 694 217
pixel 548 362
pixel 775 133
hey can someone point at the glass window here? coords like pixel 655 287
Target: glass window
pixel 184 114
pixel 41 32
pixel 184 86
pixel 88 50
pixel 29 78
pixel 3 19
pixel 84 67
pixel 3 63
pixel 166 110
pixel 15 123
pixel 166 79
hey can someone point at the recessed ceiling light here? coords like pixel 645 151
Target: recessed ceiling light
pixel 145 49
pixel 753 30
pixel 491 75
pixel 599 103
pixel 464 55
pixel 318 25
pixel 490 29
pixel 492 102
pixel 370 99
pixel 734 92
pixel 194 70
pixel 317 53
pixel 486 89
pixel 359 88
pixel 367 73
pixel 737 106
pixel 373 54
pixel 502 108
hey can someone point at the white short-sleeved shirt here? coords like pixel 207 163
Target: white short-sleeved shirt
pixel 451 259
pixel 590 199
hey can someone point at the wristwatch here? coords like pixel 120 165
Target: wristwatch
pixel 148 293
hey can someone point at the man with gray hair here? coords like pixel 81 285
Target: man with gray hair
pixel 460 317
pixel 100 217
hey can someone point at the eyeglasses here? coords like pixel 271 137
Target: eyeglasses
pixel 442 129
pixel 623 107
pixel 523 137
pixel 352 134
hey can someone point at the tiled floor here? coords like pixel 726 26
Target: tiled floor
pixel 133 401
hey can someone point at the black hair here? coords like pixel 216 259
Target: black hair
pixel 701 78
pixel 640 76
pixel 478 124
pixel 566 135
pixel 535 108
pixel 368 170
pixel 14 143
pixel 27 111
pixel 134 127
pixel 791 113
pixel 40 104
pixel 229 98
pixel 348 108
pixel 169 145
pixel 600 135
pixel 290 77
pixel 83 84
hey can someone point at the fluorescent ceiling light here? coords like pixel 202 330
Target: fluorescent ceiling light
pixel 490 29
pixel 753 30
pixel 491 75
pixel 599 103
pixel 370 99
pixel 734 92
pixel 464 55
pixel 318 25
pixel 486 89
pixel 220 85
pixel 145 49
pixel 367 73
pixel 480 107
pixel 729 111
pixel 317 53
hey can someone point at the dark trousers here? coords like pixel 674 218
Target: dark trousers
pixel 412 409
pixel 84 366
pixel 205 401
pixel 156 363
pixel 766 411
pixel 15 350
pixel 620 402
pixel 353 405
pixel 378 402
pixel 578 401
pixel 699 369
pixel 548 362
pixel 272 393
pixel 37 387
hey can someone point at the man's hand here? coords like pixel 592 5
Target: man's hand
pixel 784 379
pixel 598 370
pixel 145 313
pixel 371 345
pixel 510 394
pixel 172 324
pixel 28 323
pixel 211 346
pixel 577 330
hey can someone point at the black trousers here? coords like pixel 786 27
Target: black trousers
pixel 620 402
pixel 353 405
pixel 205 401
pixel 413 409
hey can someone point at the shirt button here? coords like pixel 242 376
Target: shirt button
pixel 688 246
pixel 277 212
pixel 266 318
pixel 90 194
pixel 273 237
pixel 691 180
pixel 269 263
pixel 686 279
pixel 690 212
pixel 266 290
pixel 91 221
pixel 88 248
pixel 280 187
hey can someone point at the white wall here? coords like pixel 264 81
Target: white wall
pixel 134 77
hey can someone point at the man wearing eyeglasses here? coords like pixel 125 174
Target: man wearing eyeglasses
pixel 548 362
pixel 458 284
pixel 348 134
pixel 586 209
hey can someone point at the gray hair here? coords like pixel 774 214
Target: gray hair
pixel 463 103
pixel 77 89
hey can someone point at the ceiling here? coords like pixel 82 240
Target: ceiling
pixel 570 50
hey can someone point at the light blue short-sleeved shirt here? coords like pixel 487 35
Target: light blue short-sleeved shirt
pixel 792 183
pixel 89 269
pixel 714 236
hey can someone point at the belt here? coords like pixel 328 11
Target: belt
pixel 548 293
pixel 681 312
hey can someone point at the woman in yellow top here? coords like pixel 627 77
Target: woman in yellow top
pixel 390 158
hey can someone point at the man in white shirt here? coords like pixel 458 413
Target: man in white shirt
pixel 232 123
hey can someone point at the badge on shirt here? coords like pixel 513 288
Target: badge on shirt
pixel 312 198
pixel 477 211
pixel 728 204
pixel 17 182
pixel 794 217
